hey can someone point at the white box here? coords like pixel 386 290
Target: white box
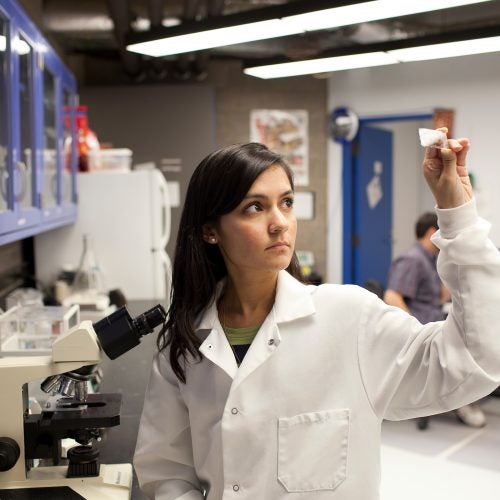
pixel 119 160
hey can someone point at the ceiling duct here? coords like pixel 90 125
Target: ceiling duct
pixel 195 66
pixel 119 11
pixel 183 67
pixel 157 67
pixel 214 8
pixel 63 16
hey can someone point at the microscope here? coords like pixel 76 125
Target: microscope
pixel 28 441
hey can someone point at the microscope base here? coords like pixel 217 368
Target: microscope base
pixel 113 483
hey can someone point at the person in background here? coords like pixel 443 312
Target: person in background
pixel 265 388
pixel 414 285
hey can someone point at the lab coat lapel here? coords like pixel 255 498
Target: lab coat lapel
pixel 263 346
pixel 215 347
pixel 293 300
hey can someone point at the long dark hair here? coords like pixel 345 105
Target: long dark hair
pixel 217 187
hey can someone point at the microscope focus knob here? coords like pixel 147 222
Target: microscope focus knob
pixel 9 453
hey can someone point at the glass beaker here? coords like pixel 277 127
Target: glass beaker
pixel 89 277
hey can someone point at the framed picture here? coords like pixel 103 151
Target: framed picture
pixel 286 133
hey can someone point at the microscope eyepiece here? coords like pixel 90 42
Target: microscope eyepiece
pixel 145 323
pixel 119 332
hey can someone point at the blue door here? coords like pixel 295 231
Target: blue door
pixel 372 206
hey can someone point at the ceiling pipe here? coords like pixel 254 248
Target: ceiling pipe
pixel 119 11
pixel 61 16
pixel 183 67
pixel 214 8
pixel 195 66
pixel 157 67
pixel 190 10
pixel 155 9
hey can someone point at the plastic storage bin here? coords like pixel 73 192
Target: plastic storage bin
pixel 31 330
pixel 119 160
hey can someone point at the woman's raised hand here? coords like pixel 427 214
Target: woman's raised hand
pixel 446 173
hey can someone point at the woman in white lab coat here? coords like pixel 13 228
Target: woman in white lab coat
pixel 265 388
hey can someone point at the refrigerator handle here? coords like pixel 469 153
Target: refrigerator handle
pixel 167 268
pixel 165 210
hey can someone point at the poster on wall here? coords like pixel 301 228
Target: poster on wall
pixel 286 133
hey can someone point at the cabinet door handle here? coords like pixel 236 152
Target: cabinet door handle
pixel 53 185
pixel 4 174
pixel 50 169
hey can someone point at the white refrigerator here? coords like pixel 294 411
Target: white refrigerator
pixel 127 215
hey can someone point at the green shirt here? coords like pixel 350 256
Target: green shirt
pixel 240 339
pixel 241 336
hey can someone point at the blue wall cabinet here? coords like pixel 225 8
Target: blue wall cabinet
pixel 37 131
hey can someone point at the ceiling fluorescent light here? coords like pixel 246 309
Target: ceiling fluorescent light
pixel 203 35
pixel 219 37
pixel 325 64
pixel 444 50
pixel 399 51
pixel 369 11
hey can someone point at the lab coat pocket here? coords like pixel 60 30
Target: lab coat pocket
pixel 312 450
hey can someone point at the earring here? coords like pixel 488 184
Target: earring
pixel 212 240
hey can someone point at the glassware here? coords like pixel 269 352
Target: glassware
pixel 89 278
pixel 24 297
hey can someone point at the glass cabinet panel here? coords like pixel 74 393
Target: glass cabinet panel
pixel 49 195
pixel 37 144
pixel 4 116
pixel 68 170
pixel 24 167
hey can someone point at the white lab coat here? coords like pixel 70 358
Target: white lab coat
pixel 301 417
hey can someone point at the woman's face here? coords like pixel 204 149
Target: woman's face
pixel 259 234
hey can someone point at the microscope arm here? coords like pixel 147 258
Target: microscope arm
pixel 79 344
